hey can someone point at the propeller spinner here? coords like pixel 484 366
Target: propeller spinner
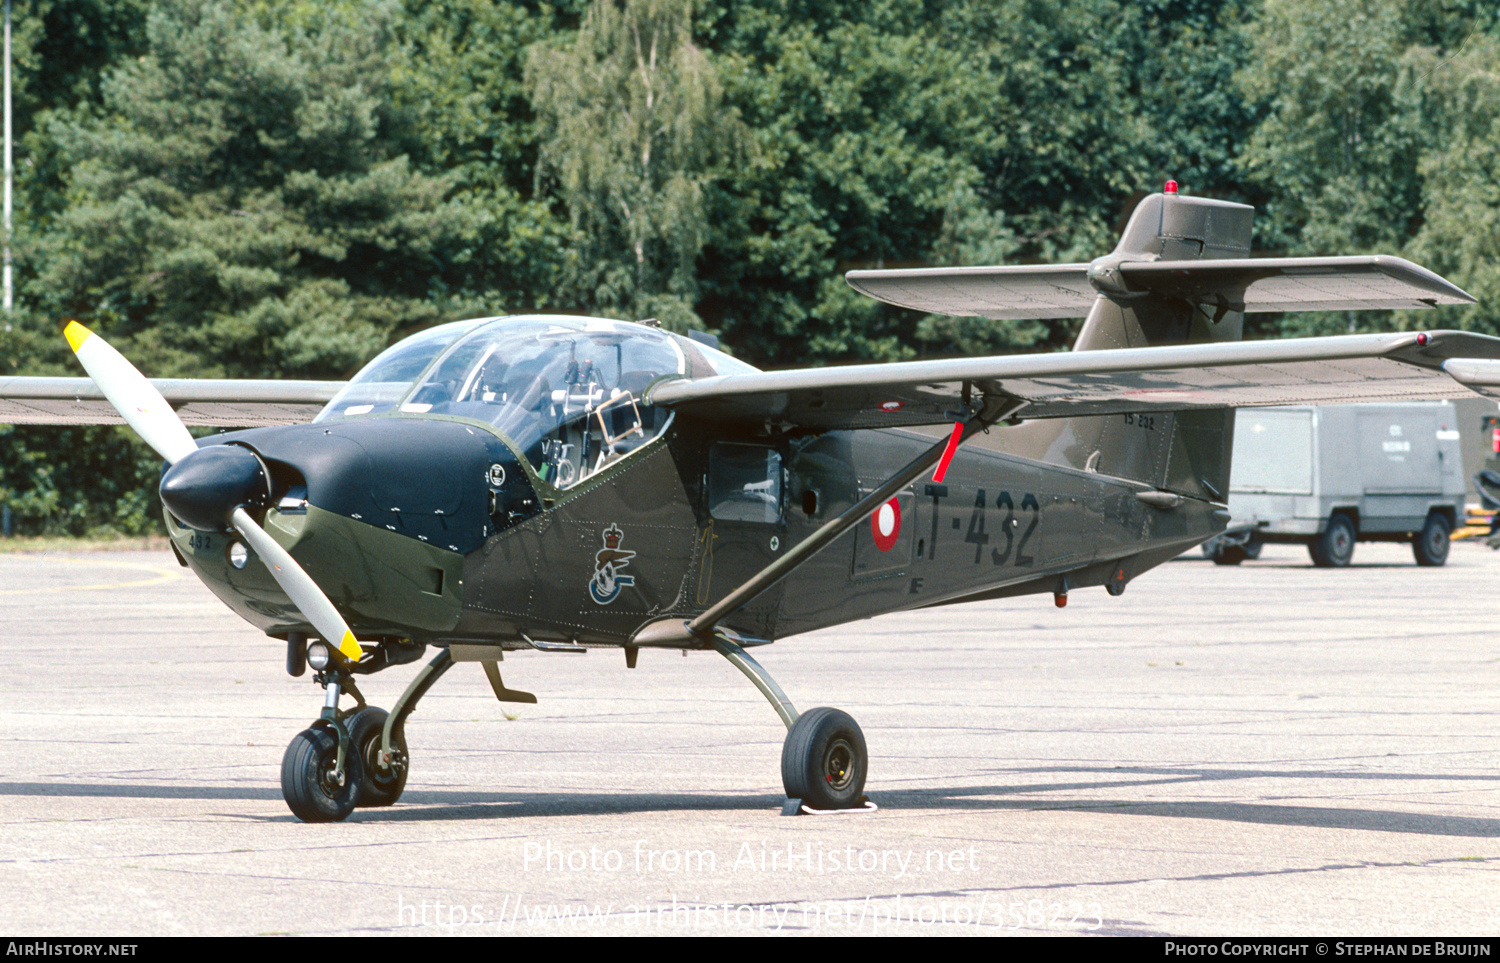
pixel 207 488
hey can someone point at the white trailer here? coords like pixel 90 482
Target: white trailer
pixel 1332 476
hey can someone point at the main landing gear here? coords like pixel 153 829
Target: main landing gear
pixel 352 758
pixel 824 760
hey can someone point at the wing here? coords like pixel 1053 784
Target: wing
pixel 1249 285
pixel 1365 367
pixel 224 403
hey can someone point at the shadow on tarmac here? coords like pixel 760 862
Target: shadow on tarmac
pixel 419 805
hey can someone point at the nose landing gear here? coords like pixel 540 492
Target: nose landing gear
pixel 320 784
pixel 352 758
pixel 321 777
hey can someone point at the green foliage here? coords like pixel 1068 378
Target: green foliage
pixel 633 131
pixel 61 49
pixel 1340 142
pixel 79 481
pixel 235 207
pixel 259 188
pixel 1374 112
pixel 861 114
pixel 457 73
pixel 900 134
pixel 1460 233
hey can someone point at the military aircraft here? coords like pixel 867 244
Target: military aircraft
pixel 553 484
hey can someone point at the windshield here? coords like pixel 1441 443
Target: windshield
pixel 385 381
pixel 565 391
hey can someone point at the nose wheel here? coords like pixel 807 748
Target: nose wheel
pixel 330 767
pixel 354 758
pixel 317 785
pixel 382 785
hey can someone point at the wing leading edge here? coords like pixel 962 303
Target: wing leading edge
pixel 221 403
pixel 1350 368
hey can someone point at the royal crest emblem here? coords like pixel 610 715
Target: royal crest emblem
pixel 607 582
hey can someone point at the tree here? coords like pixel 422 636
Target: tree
pixel 633 131
pixel 235 203
pixel 235 207
pixel 1337 150
pixel 1460 231
pixel 459 74
pixel 948 132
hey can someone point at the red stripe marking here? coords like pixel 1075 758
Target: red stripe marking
pixel 953 440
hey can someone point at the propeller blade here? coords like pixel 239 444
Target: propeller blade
pixel 137 401
pixel 145 410
pixel 298 586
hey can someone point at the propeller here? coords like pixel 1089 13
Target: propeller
pixel 146 411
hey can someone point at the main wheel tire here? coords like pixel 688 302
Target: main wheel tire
pixel 1253 547
pixel 381 787
pixel 1335 547
pixel 824 760
pixel 307 777
pixel 1430 546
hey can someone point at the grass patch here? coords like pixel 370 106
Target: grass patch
pixel 24 544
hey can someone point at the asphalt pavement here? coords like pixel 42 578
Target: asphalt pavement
pixel 1271 749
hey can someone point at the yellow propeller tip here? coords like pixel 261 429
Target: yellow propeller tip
pixel 350 647
pixel 76 334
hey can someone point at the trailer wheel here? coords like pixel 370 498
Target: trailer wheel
pixel 1430 545
pixel 1230 555
pixel 1335 547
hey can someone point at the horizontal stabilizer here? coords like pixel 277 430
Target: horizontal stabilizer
pixel 997 293
pixel 221 403
pixel 1478 376
pixel 1249 285
pixel 1350 368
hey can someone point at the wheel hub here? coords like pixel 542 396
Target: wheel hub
pixel 332 780
pixel 838 765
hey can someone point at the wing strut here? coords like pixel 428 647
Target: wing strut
pixel 701 629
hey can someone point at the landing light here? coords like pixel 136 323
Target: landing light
pixel 238 554
pixel 319 655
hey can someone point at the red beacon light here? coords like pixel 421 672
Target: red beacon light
pixel 1423 338
pixel 1170 187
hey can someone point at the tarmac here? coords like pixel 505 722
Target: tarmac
pixel 1270 749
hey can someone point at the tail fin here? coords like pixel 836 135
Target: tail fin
pixel 1179 274
pixel 1185 452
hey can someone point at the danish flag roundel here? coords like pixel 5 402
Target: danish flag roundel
pixel 885 525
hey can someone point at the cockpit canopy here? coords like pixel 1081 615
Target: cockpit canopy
pixel 565 391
